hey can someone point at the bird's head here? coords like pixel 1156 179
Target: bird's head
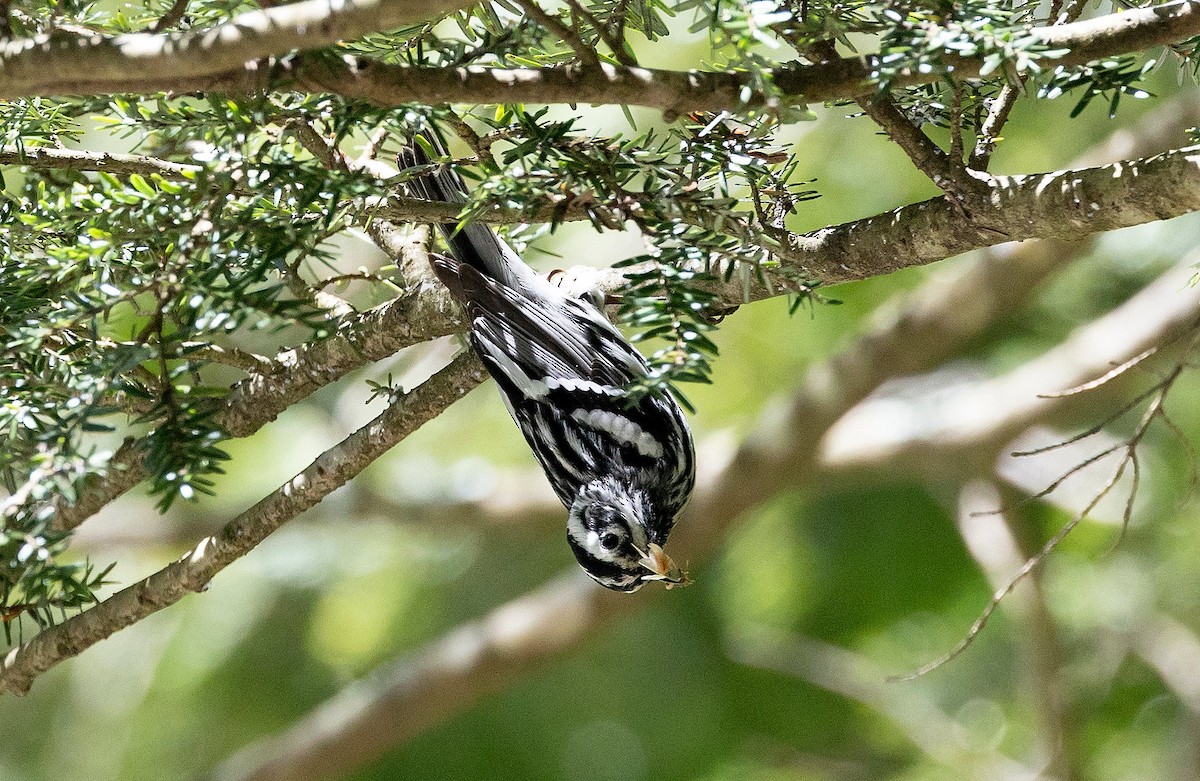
pixel 617 538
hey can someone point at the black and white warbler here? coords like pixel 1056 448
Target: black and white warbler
pixel 623 464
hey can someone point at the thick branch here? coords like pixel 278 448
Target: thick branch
pixel 332 469
pixel 972 423
pixel 227 59
pixel 444 677
pixel 1068 205
pixel 108 162
pixel 125 470
pixel 678 92
pixel 298 373
pixel 73 65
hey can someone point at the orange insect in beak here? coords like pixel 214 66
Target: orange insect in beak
pixel 657 561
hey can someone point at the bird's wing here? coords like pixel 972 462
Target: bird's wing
pixel 546 334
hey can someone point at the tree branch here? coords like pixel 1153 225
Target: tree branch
pixel 301 371
pixel 583 52
pixel 106 162
pixel 329 471
pixel 227 58
pixel 1002 105
pixel 999 546
pixel 989 132
pixel 60 64
pixel 677 92
pixel 980 418
pixel 1061 204
pixel 946 171
pixel 442 678
pixel 1068 205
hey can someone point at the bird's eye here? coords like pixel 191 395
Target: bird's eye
pixel 610 541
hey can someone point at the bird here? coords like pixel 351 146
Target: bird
pixel 622 463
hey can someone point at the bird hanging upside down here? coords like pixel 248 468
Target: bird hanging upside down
pixel 624 465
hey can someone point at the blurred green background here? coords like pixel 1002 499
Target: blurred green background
pixel 774 664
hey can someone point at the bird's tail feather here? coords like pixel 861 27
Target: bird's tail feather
pixel 442 184
pixel 475 244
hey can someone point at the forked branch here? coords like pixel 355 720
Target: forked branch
pixel 1128 460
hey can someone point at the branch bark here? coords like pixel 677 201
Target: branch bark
pixel 59 64
pixel 676 92
pixel 1067 205
pixel 107 162
pixel 973 422
pixel 229 58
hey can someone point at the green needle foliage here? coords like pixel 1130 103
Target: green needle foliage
pixel 118 289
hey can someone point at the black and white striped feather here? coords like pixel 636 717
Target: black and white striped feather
pixel 623 466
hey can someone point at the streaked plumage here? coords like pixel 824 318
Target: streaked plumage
pixel 623 467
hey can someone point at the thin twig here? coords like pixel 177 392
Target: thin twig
pixel 944 170
pixel 374 145
pixel 321 148
pixel 1094 429
pixel 989 132
pixel 172 17
pixel 1057 483
pixel 1029 566
pixel 230 356
pixel 613 37
pixel 1002 105
pixel 480 146
pixel 1106 377
pixel 583 52
pixel 360 276
pixel 999 547
pixel 1127 515
pixel 948 173
pixel 108 162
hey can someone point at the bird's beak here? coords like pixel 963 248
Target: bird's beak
pixel 657 561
